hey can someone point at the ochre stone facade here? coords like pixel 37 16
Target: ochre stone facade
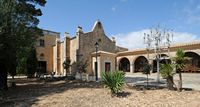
pixel 45 51
pixel 109 56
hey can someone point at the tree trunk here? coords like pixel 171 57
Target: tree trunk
pixel 147 81
pixel 13 81
pixel 3 77
pixel 170 83
pixel 179 87
pixel 81 76
pixel 66 71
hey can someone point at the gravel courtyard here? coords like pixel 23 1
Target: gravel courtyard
pixel 190 80
pixel 37 93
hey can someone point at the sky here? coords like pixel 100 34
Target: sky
pixel 126 20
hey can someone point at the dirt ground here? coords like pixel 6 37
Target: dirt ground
pixel 37 93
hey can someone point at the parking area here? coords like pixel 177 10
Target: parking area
pixel 190 80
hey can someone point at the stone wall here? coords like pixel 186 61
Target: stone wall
pixel 87 44
pixel 49 40
pixel 54 58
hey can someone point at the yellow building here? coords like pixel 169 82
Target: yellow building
pixel 44 49
pixel 52 52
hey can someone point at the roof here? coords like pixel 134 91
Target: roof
pixel 173 47
pixel 186 43
pixel 103 52
pixel 51 32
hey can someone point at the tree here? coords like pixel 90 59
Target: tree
pixel 22 57
pixel 180 61
pixel 18 30
pixel 66 65
pixel 146 70
pixel 82 67
pixel 167 72
pixel 7 49
pixel 32 63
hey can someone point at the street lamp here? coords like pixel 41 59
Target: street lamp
pixel 160 39
pixel 96 64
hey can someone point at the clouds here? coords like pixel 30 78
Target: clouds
pixel 183 37
pixel 115 7
pixel 134 40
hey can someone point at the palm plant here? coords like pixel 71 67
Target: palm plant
pixel 180 61
pixel 113 80
pixel 168 73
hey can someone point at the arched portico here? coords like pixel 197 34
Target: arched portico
pixel 194 65
pixel 191 50
pixel 164 60
pixel 139 63
pixel 124 64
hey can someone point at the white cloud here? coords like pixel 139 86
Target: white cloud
pixel 181 37
pixel 114 8
pixel 134 40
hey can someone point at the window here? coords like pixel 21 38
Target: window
pixel 107 67
pixel 41 55
pixel 42 42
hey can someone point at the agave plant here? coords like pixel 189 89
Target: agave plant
pixel 113 80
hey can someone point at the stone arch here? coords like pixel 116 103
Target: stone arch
pixel 139 63
pixel 124 64
pixel 194 65
pixel 164 59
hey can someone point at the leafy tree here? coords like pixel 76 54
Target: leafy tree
pixel 146 70
pixel 22 57
pixel 18 30
pixel 32 63
pixel 66 65
pixel 167 72
pixel 113 80
pixel 180 61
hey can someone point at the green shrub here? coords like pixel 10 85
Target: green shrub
pixel 113 80
pixel 166 70
pixel 168 73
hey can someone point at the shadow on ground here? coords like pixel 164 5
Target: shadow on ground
pixel 136 79
pixel 27 91
pixel 123 94
pixel 140 83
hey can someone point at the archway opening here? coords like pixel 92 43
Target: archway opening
pixel 140 63
pixel 124 65
pixel 194 62
pixel 164 59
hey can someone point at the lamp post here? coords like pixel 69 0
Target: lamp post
pixel 96 64
pixel 158 40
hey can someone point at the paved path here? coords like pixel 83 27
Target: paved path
pixel 190 80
